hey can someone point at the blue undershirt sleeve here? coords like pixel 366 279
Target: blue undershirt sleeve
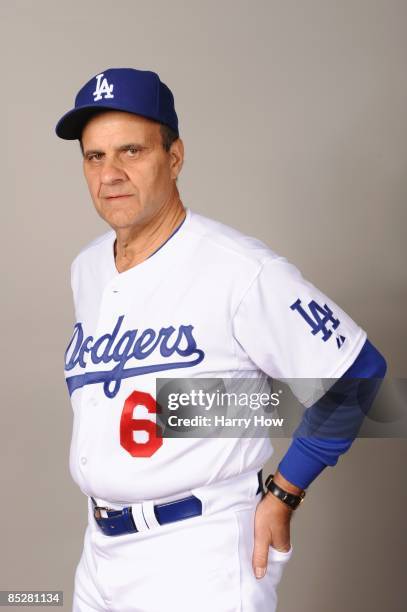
pixel 307 456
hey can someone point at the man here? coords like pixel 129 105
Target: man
pixel 182 524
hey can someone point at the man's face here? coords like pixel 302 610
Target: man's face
pixel 129 174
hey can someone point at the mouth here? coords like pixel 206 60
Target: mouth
pixel 118 197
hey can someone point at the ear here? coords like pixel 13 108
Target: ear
pixel 176 154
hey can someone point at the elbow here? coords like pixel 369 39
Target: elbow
pixel 370 363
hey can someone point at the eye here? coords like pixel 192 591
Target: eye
pixel 132 151
pixel 94 156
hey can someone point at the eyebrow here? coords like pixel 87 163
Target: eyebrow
pixel 123 147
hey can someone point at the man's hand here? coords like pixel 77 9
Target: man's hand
pixel 272 526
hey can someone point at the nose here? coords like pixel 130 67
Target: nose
pixel 112 172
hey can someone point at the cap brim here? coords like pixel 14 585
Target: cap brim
pixel 70 126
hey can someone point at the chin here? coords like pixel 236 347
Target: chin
pixel 121 218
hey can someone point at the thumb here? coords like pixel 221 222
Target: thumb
pixel 260 553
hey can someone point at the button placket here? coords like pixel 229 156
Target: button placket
pixel 109 305
pixel 108 312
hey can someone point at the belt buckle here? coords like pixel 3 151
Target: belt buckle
pixel 97 512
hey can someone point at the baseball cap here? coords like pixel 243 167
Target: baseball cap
pixel 124 89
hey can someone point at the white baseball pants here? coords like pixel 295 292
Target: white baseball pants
pixel 201 564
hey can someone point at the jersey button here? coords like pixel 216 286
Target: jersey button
pixel 93 401
pixel 84 460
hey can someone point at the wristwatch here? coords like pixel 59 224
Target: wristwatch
pixel 288 498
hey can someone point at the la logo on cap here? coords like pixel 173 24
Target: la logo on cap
pixel 103 89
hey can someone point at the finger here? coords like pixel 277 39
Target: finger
pixel 281 540
pixel 260 554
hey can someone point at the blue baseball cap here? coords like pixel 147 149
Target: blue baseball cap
pixel 125 89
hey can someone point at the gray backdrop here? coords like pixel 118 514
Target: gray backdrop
pixel 293 119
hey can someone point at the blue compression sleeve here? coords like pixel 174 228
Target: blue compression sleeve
pixel 308 456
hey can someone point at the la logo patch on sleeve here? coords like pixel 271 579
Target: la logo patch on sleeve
pixel 318 318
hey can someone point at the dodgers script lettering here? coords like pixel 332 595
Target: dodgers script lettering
pixel 131 345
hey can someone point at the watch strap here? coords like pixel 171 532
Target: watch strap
pixel 288 498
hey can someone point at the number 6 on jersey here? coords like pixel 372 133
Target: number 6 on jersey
pixel 130 424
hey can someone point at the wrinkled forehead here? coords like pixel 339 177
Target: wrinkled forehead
pixel 111 127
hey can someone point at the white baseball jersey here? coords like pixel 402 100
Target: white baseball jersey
pixel 211 302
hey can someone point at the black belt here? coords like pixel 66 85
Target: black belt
pixel 119 522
